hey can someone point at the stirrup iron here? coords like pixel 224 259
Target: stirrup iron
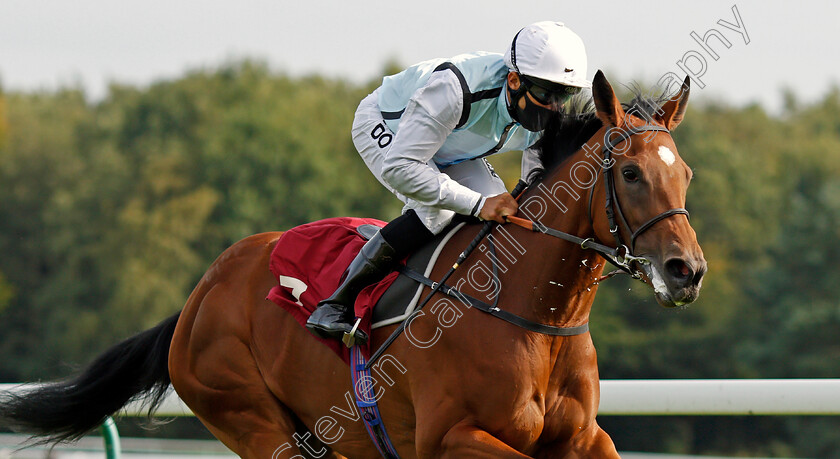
pixel 349 338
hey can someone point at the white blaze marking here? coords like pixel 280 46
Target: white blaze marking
pixel 656 278
pixel 667 155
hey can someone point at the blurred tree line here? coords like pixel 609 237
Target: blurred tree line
pixel 110 212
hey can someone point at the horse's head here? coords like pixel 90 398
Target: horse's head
pixel 649 179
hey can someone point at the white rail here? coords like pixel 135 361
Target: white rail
pixel 720 397
pixel 668 397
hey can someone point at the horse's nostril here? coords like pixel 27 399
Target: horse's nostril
pixel 679 270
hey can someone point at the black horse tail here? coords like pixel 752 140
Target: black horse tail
pixel 135 369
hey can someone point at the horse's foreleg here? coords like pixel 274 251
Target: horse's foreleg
pixel 590 443
pixel 464 441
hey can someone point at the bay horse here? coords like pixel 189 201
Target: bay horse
pixel 459 383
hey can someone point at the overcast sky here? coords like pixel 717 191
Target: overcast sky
pixel 52 43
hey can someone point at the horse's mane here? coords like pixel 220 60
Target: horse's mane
pixel 577 122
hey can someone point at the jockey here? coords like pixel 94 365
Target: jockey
pixel 425 133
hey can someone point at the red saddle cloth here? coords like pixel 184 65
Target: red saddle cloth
pixel 308 263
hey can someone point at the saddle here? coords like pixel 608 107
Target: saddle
pixel 309 260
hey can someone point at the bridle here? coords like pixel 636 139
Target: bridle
pixel 621 255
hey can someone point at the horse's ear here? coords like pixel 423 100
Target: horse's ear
pixel 674 110
pixel 606 104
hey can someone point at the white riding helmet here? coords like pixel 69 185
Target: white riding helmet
pixel 550 51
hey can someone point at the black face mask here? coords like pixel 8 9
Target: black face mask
pixel 533 117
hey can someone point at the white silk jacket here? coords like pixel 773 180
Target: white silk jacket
pixel 445 111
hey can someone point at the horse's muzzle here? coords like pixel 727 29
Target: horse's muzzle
pixel 677 281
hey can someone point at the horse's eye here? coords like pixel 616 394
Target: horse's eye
pixel 630 175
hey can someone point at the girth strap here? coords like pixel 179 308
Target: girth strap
pixel 368 408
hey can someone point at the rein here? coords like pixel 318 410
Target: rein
pixel 621 256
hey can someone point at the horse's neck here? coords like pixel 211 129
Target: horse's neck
pixel 557 279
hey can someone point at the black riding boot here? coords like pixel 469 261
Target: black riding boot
pixel 334 315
